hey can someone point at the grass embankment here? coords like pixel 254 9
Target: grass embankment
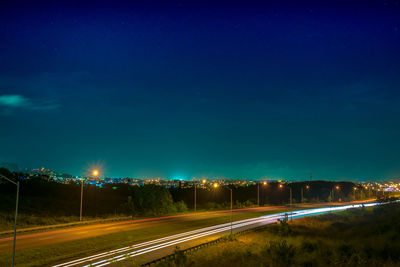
pixel 357 237
pixel 25 221
pixel 50 254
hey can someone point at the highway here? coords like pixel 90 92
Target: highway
pixel 164 246
pixel 39 239
pixel 56 236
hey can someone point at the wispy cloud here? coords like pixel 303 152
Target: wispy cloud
pixel 22 102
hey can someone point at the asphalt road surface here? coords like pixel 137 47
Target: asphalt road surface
pixel 32 240
pixel 163 246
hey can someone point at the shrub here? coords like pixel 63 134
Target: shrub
pixel 181 206
pixel 280 253
pixel 284 227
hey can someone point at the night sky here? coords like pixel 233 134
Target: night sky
pixel 191 89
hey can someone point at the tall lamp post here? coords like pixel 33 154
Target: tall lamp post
pixel 16 216
pixel 302 193
pixel 258 192
pixel 333 195
pixel 355 188
pixel 95 173
pixel 195 197
pixel 215 186
pixel 195 193
pixel 290 193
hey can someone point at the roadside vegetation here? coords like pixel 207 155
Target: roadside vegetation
pixel 357 237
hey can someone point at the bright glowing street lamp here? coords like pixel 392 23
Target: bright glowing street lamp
pixel 195 194
pixel 195 197
pixel 333 195
pixel 231 208
pixel 230 189
pixel 258 191
pixel 95 173
pixel 290 194
pixel 302 193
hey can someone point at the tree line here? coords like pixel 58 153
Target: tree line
pixel 40 195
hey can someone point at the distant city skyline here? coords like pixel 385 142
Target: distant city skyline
pixel 13 167
pixel 185 89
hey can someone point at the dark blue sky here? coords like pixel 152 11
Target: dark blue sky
pixel 202 89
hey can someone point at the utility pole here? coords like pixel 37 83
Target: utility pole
pixel 15 225
pixel 231 208
pixel 291 200
pixel 258 193
pixel 230 189
pixel 195 197
pixel 80 213
pixel 302 197
pixel 15 219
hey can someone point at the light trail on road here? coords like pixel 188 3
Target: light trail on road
pixel 125 253
pixel 116 251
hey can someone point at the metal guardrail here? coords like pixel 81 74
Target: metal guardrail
pixel 195 248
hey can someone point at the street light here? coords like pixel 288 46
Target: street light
pixel 258 191
pixel 333 195
pixel 231 208
pixel 215 186
pixel 355 188
pixel 302 194
pixel 95 173
pixel 195 197
pixel 195 194
pixel 16 216
pixel 290 193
